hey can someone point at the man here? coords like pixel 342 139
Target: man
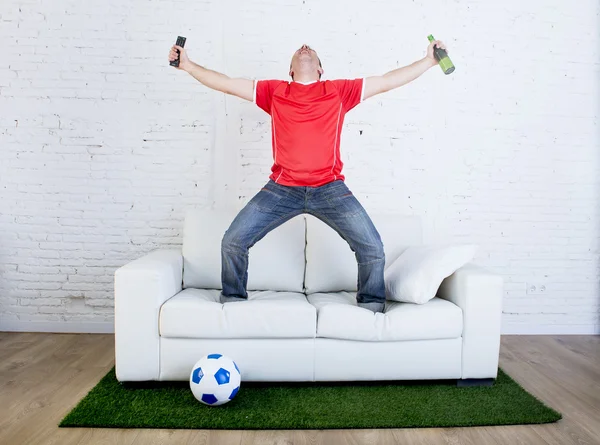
pixel 307 116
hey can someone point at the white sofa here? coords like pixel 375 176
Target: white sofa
pixel 301 322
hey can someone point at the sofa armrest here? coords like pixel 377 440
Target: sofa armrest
pixel 141 287
pixel 478 293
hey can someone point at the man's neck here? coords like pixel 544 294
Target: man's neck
pixel 308 82
pixel 305 78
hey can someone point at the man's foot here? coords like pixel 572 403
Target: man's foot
pixel 375 307
pixel 224 299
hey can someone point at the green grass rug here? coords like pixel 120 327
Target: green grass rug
pixel 310 406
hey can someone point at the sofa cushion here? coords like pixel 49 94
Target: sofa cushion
pixel 330 263
pixel 196 313
pixel 416 275
pixel 338 316
pixel 275 263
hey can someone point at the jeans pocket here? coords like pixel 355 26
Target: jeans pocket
pixel 345 203
pixel 267 199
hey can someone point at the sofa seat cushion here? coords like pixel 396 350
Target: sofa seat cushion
pixel 197 313
pixel 339 317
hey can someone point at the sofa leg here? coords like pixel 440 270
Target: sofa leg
pixel 465 383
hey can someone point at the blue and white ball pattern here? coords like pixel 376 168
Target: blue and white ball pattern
pixel 215 379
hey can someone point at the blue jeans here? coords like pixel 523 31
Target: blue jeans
pixel 332 203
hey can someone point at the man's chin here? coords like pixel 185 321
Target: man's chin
pixel 308 63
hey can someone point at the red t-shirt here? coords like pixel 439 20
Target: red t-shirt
pixel 306 125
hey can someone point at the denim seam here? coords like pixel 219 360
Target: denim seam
pixel 372 262
pixel 231 251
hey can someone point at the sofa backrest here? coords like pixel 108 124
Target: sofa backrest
pixel 303 254
pixel 276 262
pixel 331 265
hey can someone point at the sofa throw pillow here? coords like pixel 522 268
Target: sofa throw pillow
pixel 417 274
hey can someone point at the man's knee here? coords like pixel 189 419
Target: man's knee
pixel 378 250
pixel 233 243
pixel 371 253
pixel 375 244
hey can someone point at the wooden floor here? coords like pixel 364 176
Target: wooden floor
pixel 43 376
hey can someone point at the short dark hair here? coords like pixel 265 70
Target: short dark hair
pixel 320 66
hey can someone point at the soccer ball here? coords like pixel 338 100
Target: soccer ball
pixel 215 379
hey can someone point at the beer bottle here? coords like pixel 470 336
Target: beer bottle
pixel 442 57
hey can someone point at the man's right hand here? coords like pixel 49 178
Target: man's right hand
pixel 184 61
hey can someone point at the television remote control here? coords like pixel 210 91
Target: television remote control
pixel 180 42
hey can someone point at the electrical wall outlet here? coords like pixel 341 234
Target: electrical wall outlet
pixel 535 288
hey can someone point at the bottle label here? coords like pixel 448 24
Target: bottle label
pixel 446 65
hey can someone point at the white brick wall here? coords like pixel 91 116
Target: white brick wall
pixel 103 144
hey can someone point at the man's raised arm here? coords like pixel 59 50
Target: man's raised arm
pixel 243 88
pixel 401 76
